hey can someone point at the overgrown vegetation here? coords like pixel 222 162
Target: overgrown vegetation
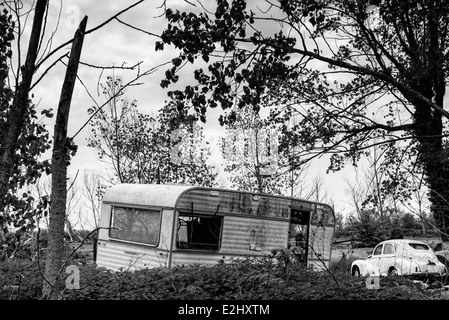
pixel 244 279
pixel 368 229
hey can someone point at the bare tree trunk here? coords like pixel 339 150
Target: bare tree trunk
pixel 20 103
pixel 91 192
pixel 60 157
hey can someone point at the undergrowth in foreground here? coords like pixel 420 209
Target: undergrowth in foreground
pixel 241 279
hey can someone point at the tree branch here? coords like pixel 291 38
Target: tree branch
pixel 87 32
pixel 409 93
pixel 138 29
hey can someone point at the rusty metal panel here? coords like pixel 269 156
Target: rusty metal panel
pixel 253 236
pixel 303 205
pixel 320 242
pixel 323 215
pixel 185 257
pixel 233 202
pixel 115 255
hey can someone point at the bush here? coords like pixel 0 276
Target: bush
pixel 344 233
pixel 17 245
pixel 20 280
pixel 244 279
pixel 344 264
pixel 397 233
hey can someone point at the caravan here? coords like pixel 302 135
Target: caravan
pixel 153 225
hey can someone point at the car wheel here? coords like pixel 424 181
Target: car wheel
pixel 356 271
pixel 392 272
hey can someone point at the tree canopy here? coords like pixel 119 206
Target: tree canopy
pixel 141 148
pixel 254 161
pixel 355 74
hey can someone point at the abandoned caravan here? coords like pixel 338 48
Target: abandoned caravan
pixel 153 225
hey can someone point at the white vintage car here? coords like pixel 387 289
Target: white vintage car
pixel 399 257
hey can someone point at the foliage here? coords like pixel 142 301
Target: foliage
pixel 15 246
pixel 23 244
pixel 380 81
pixel 369 228
pixel 19 208
pixel 339 222
pixel 242 279
pixel 20 280
pixel 368 233
pixel 408 221
pixel 144 149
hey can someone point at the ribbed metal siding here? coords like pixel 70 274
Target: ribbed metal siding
pixel 206 258
pixel 115 255
pixel 241 237
pixel 249 235
pixel 195 257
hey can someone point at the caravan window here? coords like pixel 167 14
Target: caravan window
pixel 199 232
pixel 136 225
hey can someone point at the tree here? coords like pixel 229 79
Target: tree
pixel 372 190
pixel 339 222
pixel 63 149
pixel 336 64
pixel 23 138
pixel 42 190
pixel 143 149
pixel 109 125
pixel 92 190
pixel 256 161
pixel 249 153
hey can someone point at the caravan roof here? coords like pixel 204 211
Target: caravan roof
pixel 188 198
pixel 161 195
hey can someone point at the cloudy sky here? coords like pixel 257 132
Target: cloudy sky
pixel 117 44
pixel 113 44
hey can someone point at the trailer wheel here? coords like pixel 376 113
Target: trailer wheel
pixel 356 271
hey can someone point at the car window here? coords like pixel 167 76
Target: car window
pixel 388 248
pixel 419 246
pixel 378 250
